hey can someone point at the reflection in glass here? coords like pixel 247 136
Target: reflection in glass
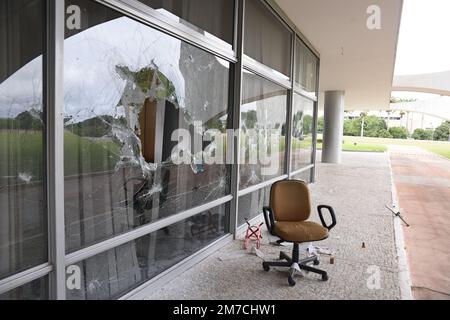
pixel 128 88
pixel 113 273
pixel 304 176
pixel 35 290
pixel 302 135
pixel 23 218
pixel 305 68
pixel 263 126
pixel 266 39
pixel 215 17
pixel 251 204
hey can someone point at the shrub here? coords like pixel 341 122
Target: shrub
pixel 398 132
pixel 421 134
pixel 383 133
pixel 442 132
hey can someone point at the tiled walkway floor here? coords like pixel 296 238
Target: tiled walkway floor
pixel 358 189
pixel 422 180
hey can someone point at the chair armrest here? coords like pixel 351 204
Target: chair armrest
pixel 270 222
pixel 333 216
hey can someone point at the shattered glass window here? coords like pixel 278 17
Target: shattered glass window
pixel 211 18
pixel 263 130
pixel 23 213
pixel 250 205
pixel 302 132
pixel 115 272
pixel 129 90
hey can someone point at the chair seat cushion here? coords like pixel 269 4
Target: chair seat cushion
pixel 300 231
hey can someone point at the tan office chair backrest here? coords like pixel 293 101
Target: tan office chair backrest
pixel 290 200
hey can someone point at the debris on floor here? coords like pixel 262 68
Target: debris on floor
pixel 254 250
pixel 323 250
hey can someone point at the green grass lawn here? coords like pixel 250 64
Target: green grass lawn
pixel 380 145
pixel 22 152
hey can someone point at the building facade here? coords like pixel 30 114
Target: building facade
pixel 95 96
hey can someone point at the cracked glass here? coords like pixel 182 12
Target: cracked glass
pixel 23 213
pixel 128 89
pixel 263 130
pixel 115 272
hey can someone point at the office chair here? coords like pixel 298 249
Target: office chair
pixel 286 218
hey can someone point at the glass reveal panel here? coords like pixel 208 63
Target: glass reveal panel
pixel 251 204
pixel 266 39
pixel 209 17
pixel 115 272
pixel 302 132
pixel 23 214
pixel 35 290
pixel 133 96
pixel 305 68
pixel 263 130
pixel 304 176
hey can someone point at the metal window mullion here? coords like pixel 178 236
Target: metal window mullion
pixel 237 100
pixel 315 125
pixel 55 146
pixel 24 277
pixel 289 122
pixel 297 172
pixel 266 72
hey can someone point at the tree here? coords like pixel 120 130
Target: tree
pixel 352 127
pixel 442 132
pixel 421 134
pixel 372 126
pixel 398 132
pixel 320 122
pixel 384 133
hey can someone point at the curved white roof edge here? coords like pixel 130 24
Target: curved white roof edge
pixel 436 83
pixel 438 107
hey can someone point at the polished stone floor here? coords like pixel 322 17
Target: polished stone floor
pixel 362 243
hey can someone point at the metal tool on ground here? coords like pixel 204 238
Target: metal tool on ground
pixel 397 213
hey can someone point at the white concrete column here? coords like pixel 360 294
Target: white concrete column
pixel 333 126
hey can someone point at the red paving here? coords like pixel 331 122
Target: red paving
pixel 422 180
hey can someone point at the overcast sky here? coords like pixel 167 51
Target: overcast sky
pixel 424 43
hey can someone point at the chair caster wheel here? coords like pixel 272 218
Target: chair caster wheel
pixel 291 282
pixel 266 267
pixel 316 262
pixel 324 277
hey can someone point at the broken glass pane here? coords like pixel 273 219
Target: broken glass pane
pixel 113 273
pixel 128 89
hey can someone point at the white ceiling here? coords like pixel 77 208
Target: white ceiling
pixel 353 58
